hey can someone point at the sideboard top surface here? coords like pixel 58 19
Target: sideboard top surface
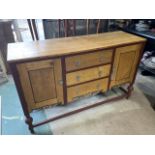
pixel 70 45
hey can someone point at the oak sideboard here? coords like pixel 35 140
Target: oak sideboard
pixel 58 71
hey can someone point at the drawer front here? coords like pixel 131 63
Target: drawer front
pixel 87 60
pixel 87 74
pixel 83 89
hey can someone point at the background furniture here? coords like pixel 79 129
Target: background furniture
pixel 6 36
pixel 58 71
pixel 3 75
pixel 71 27
pixel 33 29
pixel 150 45
pixel 148 34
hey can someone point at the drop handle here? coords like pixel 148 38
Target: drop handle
pixel 77 63
pixel 99 73
pixel 78 78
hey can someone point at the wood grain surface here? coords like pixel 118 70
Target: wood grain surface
pixel 70 45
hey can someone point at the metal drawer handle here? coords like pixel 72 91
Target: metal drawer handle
pixel 78 78
pixel 99 73
pixel 77 63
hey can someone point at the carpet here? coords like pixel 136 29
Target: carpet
pixel 124 117
pixel 13 121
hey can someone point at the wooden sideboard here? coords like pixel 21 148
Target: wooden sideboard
pixel 58 71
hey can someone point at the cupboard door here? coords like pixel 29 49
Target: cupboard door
pixel 41 83
pixel 125 63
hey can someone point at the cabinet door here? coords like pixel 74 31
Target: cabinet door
pixel 125 63
pixel 41 82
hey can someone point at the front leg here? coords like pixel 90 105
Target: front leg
pixel 130 89
pixel 28 121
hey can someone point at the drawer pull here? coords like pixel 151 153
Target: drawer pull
pixel 78 78
pixel 77 63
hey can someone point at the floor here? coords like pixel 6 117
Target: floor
pixel 123 117
pixel 12 115
pixel 147 85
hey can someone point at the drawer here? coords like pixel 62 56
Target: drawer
pixel 87 60
pixel 87 74
pixel 89 87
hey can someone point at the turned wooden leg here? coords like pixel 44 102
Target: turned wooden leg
pixel 28 121
pixel 130 89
